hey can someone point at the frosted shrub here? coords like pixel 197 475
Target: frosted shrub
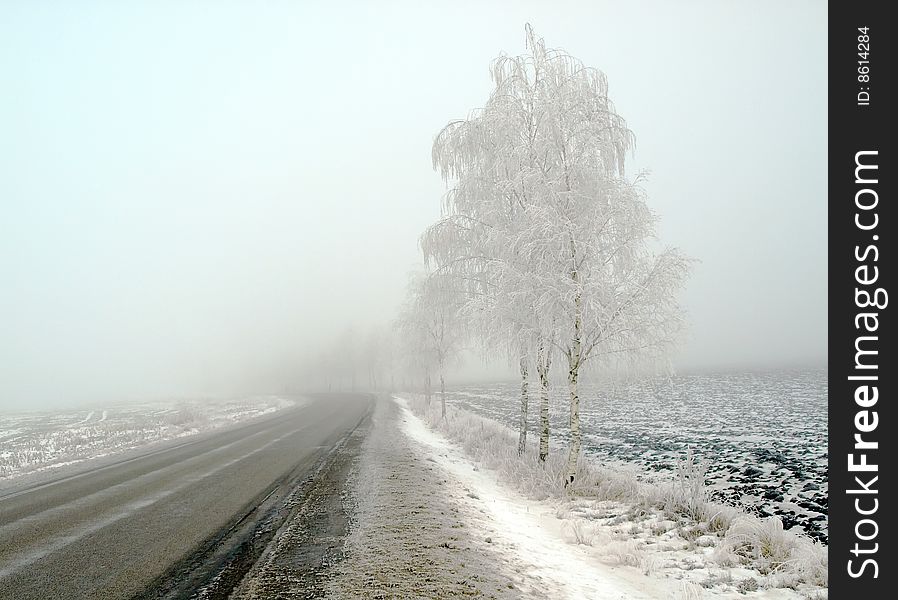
pixel 763 542
pixel 720 517
pixel 619 486
pixel 186 416
pixel 624 553
pixel 788 558
pixel 581 531
pixel 689 591
pixel 691 474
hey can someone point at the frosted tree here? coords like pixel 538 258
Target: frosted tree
pixel 390 347
pixel 590 235
pixel 432 317
pixel 349 356
pixel 507 321
pixel 415 350
pixel 539 189
pixel 489 166
pixel 376 356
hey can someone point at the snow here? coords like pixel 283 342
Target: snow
pixel 40 442
pixel 528 537
pixel 583 558
pixel 763 433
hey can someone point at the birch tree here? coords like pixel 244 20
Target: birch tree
pixel 415 350
pixel 590 233
pixel 433 317
pixel 539 188
pixel 489 166
pixel 375 353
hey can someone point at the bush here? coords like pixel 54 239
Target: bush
pixel 789 558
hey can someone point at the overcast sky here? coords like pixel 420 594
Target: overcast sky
pixel 193 195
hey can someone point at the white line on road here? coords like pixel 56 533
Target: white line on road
pixel 37 554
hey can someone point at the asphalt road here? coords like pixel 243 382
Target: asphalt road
pixel 113 531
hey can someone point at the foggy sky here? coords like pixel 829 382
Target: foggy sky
pixel 194 196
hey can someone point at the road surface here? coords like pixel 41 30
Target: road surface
pixel 125 529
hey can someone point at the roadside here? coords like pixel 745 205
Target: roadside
pixel 528 533
pixel 415 507
pixel 604 538
pixel 411 534
pixel 300 549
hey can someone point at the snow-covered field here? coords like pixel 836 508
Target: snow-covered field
pixel 584 543
pixel 35 442
pixel 762 434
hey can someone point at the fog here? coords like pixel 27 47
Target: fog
pixel 194 200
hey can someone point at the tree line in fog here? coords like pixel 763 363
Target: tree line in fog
pixel 545 253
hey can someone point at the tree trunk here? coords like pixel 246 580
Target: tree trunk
pixel 573 373
pixel 427 388
pixel 522 436
pixel 543 362
pixel 442 395
pixel 574 451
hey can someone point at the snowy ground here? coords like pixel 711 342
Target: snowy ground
pixel 38 442
pixel 764 434
pixel 582 547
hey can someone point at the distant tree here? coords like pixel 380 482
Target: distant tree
pixel 349 357
pixel 375 356
pixel 432 317
pixel 415 351
pixel 390 349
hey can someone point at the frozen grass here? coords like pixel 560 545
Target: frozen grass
pixel 784 558
pixel 788 559
pixel 766 456
pixel 689 591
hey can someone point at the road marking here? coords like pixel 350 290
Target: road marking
pixel 94 470
pixel 119 486
pixel 37 554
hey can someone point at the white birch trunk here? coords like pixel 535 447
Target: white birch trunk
pixel 442 395
pixel 543 362
pixel 574 451
pixel 573 373
pixel 522 436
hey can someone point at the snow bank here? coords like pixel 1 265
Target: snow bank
pixel 663 541
pixel 525 526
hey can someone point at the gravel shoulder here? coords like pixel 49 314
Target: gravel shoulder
pixel 163 524
pixel 411 532
pixel 300 557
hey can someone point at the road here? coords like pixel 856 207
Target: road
pixel 116 531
